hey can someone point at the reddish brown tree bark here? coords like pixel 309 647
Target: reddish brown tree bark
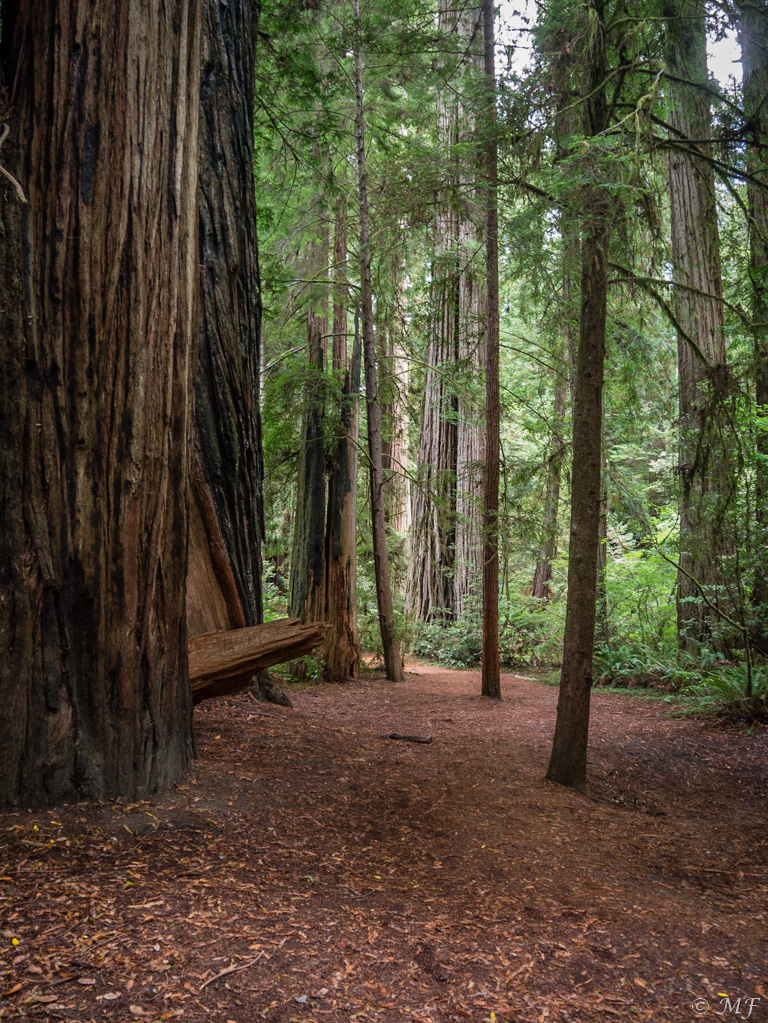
pixel 227 517
pixel 98 284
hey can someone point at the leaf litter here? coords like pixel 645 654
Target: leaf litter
pixel 308 870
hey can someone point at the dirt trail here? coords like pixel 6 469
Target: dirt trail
pixel 350 877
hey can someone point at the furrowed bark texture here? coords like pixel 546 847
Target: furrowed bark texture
pixel 568 762
pixel 446 538
pixel 696 265
pixel 491 682
pixel 98 277
pixel 227 488
pixel 392 660
pixel 753 31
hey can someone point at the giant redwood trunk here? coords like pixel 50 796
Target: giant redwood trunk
pixel 226 523
pixel 98 282
pixel 754 55
pixel 699 311
pixel 568 762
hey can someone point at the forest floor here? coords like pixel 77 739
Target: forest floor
pixel 311 870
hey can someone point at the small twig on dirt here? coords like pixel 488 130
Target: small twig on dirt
pixel 425 739
pixel 230 969
pixel 735 871
pixel 19 190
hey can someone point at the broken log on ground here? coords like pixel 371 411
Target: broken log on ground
pixel 223 663
pixel 424 739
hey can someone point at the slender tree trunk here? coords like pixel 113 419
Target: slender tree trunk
pixel 603 634
pixel 753 31
pixel 395 444
pixel 98 286
pixel 392 660
pixel 225 554
pixel 342 645
pixel 548 550
pixel 701 354
pixel 308 572
pixel 491 684
pixel 568 763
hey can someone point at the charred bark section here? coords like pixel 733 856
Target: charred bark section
pixel 98 281
pixel 227 416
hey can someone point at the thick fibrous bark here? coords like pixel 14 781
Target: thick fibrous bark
pixel 753 31
pixel 227 488
pixel 222 663
pixel 308 571
pixel 699 311
pixel 491 685
pixel 568 763
pixel 98 281
pixel 392 659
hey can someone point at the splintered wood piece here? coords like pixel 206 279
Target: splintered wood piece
pixel 222 663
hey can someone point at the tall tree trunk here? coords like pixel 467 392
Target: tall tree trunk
pixel 392 660
pixel 446 530
pixel 491 684
pixel 699 312
pixel 753 31
pixel 227 528
pixel 603 634
pixel 308 572
pixel 548 549
pixel 342 644
pixel 568 763
pixel 98 280
pixel 395 412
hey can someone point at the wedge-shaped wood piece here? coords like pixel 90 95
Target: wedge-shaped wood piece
pixel 221 663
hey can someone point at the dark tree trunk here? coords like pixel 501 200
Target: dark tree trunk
pixel 491 683
pixel 342 644
pixel 753 31
pixel 392 659
pixel 699 311
pixel 308 580
pixel 225 554
pixel 568 763
pixel 98 284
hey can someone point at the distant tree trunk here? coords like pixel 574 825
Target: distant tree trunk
pixel 753 31
pixel 392 659
pixel 603 634
pixel 395 443
pixel 699 311
pixel 548 550
pixel 342 644
pixel 98 289
pixel 227 518
pixel 566 126
pixel 491 684
pixel 308 572
pixel 568 763
pixel 446 528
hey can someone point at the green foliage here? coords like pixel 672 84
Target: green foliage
pixel 730 693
